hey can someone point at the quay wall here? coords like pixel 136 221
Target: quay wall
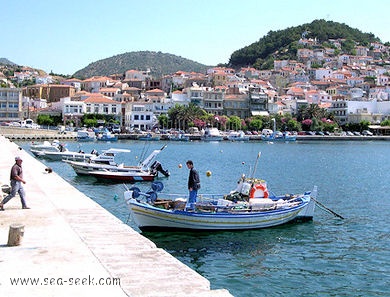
pixel 16 133
pixel 71 246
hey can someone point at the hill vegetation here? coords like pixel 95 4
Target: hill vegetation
pixel 4 61
pixel 157 62
pixel 283 44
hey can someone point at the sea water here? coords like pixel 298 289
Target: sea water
pixel 326 257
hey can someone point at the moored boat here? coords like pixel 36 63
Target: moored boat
pixel 106 136
pixel 104 166
pixel 250 206
pixel 237 136
pixel 149 137
pixel 85 135
pixel 65 154
pixel 212 134
pixel 54 146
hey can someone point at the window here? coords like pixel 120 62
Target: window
pixel 148 117
pixel 136 117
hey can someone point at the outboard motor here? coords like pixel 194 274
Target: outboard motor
pixel 156 167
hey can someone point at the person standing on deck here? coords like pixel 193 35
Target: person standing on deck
pixel 193 185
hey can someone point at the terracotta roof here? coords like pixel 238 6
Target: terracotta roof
pixel 155 91
pixel 99 98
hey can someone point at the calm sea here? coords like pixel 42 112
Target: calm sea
pixel 325 257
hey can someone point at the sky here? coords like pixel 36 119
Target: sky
pixel 66 36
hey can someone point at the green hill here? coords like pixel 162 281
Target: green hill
pixel 283 44
pixel 159 64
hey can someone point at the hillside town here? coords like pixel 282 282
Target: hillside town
pixel 352 88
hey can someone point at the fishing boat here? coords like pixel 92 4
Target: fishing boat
pixel 178 137
pixel 105 167
pixel 212 134
pixel 237 136
pixel 250 206
pixel 234 211
pixel 277 135
pixel 106 136
pixel 85 135
pixel 149 137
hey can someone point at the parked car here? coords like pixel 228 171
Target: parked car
pixel 367 133
pixel 349 133
pixel 320 133
pixel 356 133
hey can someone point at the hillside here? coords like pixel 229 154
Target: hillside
pixel 5 61
pixel 159 64
pixel 283 44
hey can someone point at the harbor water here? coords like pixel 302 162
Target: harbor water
pixel 326 257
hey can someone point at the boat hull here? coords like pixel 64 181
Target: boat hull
pixel 148 217
pixel 58 156
pixel 122 176
pixel 284 138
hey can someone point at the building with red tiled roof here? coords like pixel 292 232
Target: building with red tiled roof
pixel 99 104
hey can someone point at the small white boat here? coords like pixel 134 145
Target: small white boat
pixel 238 136
pixel 106 136
pixel 248 207
pixel 85 135
pixel 212 134
pixel 178 137
pixel 54 146
pixel 273 135
pixel 66 155
pixel 104 166
pixel 149 137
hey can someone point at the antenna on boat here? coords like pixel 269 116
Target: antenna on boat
pixel 255 167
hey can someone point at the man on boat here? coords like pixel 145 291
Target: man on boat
pixel 193 185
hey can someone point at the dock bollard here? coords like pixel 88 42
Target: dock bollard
pixel 15 235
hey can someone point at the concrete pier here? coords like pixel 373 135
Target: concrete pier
pixel 71 246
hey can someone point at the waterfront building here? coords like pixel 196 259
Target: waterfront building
pixel 11 105
pixel 213 100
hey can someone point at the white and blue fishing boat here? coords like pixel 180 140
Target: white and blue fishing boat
pixel 278 136
pixel 106 136
pixel 250 206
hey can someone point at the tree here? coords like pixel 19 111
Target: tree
pixel 45 119
pixel 234 123
pixel 385 123
pixel 255 124
pixel 163 120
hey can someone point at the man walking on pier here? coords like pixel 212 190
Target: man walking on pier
pixel 17 180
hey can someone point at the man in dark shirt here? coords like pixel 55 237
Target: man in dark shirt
pixel 17 182
pixel 193 185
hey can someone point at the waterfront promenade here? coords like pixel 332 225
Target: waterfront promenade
pixel 73 247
